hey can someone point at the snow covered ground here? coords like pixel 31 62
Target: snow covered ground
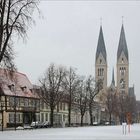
pixel 77 133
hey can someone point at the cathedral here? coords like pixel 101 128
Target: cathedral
pixel 122 66
pixel 122 76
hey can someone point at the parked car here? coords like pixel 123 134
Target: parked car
pixel 106 123
pixel 34 124
pixel 40 124
pixel 95 123
pixel 46 124
pixel 19 128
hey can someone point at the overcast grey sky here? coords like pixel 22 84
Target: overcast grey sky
pixel 68 35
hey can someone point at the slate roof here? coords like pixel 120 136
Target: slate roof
pixel 122 44
pixel 101 45
pixel 19 81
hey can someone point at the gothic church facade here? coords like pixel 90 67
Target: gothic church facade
pixel 122 66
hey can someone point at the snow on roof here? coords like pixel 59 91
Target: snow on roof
pixel 17 85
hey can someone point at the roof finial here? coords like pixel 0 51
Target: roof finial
pixel 122 19
pixel 101 21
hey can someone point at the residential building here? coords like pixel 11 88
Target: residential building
pixel 19 104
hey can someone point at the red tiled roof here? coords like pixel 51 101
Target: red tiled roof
pixel 19 81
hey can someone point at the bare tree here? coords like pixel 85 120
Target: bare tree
pixel 82 100
pixel 93 89
pixel 122 104
pixel 111 103
pixel 15 18
pixel 132 108
pixel 129 106
pixel 71 83
pixel 51 88
pixel 126 104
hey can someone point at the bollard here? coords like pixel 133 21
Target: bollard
pixel 124 128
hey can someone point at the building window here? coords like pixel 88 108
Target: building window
pixel 18 118
pixel 24 89
pixel 99 72
pixel 122 83
pixel 63 106
pixel 37 104
pixel 12 87
pixel 46 116
pixel 102 72
pixel 11 101
pixel 26 102
pixel 100 61
pixel 11 118
pixel 47 107
pixel 122 60
pixel 42 104
pixel 42 117
pixel 60 105
pixel 122 71
pixel 21 101
pixel 64 118
pixel 38 117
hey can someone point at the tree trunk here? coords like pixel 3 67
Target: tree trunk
pixel 91 116
pixel 69 115
pixel 81 120
pixel 52 115
pixel 110 118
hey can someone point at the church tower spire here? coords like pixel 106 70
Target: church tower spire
pixel 101 60
pixel 112 86
pixel 122 64
pixel 122 48
pixel 113 79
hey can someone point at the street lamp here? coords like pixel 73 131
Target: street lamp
pixel 12 87
pixel 2 116
pixel 97 111
pixel 35 112
pixel 15 102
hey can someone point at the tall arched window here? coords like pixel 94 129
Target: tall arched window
pixel 122 83
pixel 122 71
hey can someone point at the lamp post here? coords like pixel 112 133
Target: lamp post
pixel 15 112
pixel 35 112
pixel 123 97
pixel 2 117
pixel 97 111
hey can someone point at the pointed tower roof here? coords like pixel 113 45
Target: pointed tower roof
pixel 122 44
pixel 113 79
pixel 112 86
pixel 101 45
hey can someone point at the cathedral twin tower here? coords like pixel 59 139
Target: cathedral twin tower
pixel 122 63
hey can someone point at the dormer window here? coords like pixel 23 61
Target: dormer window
pixel 11 87
pixel 31 90
pixel 24 89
